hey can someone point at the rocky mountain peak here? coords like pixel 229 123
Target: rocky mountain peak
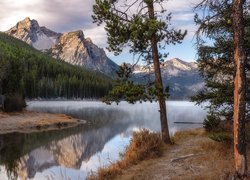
pixel 72 36
pixel 180 64
pixel 77 33
pixel 75 49
pixel 30 32
pixel 182 77
pixel 28 24
pixel 25 30
pixel 71 47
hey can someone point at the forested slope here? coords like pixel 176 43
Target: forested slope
pixel 32 73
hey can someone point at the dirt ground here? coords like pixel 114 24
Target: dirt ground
pixel 193 156
pixel 27 121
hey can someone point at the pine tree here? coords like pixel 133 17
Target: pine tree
pixel 137 25
pixel 216 60
pixel 239 90
pixel 224 66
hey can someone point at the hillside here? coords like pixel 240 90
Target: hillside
pixel 36 74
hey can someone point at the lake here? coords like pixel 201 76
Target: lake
pixel 73 153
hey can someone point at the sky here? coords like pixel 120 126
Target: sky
pixel 65 16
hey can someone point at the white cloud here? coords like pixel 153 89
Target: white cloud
pixel 183 16
pixel 181 5
pixel 97 34
pixel 55 14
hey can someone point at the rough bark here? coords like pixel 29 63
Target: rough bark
pixel 161 97
pixel 239 91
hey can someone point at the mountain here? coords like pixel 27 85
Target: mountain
pixel 71 47
pixel 35 74
pixel 30 32
pixel 182 77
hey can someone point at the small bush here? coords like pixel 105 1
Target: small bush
pixel 222 137
pixel 211 122
pixel 143 145
pixel 14 102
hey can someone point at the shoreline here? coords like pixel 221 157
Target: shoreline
pixel 31 121
pixel 193 155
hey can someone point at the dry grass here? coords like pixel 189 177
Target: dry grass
pixel 181 135
pixel 212 160
pixel 218 159
pixel 144 145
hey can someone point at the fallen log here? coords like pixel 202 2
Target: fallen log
pixel 184 157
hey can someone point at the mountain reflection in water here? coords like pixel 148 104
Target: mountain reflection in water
pixel 73 153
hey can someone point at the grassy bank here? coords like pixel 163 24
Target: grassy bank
pixel 195 154
pixel 144 145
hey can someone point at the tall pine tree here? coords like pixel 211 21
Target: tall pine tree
pixel 138 25
pixel 224 66
pixel 216 59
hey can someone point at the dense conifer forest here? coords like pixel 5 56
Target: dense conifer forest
pixel 34 74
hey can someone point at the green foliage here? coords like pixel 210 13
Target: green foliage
pixel 215 59
pixel 127 90
pixel 27 71
pixel 14 102
pixel 222 137
pixel 211 122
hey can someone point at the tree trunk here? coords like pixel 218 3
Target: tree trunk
pixel 239 91
pixel 159 85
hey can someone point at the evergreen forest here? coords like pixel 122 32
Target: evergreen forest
pixel 34 74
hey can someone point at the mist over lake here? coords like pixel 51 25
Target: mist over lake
pixel 75 152
pixel 142 115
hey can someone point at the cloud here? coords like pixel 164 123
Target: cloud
pixel 56 14
pixel 181 5
pixel 67 15
pixel 97 34
pixel 186 16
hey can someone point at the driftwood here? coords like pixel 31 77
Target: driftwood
pixel 179 122
pixel 184 157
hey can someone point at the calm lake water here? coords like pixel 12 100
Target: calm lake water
pixel 74 152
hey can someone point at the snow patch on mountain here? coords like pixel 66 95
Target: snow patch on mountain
pixel 44 42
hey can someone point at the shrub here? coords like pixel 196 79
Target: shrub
pixel 144 145
pixel 14 102
pixel 211 122
pixel 222 137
